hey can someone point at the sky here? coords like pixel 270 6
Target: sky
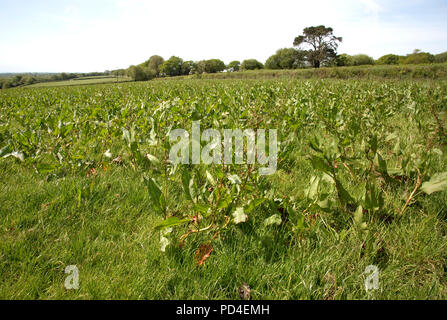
pixel 99 35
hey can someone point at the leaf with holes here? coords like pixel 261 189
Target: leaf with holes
pixel 239 216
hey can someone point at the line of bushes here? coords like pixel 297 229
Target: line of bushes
pixel 429 71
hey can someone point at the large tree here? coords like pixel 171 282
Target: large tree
pixel 172 67
pixel 251 64
pixel 234 66
pixel 154 64
pixel 320 43
pixel 418 57
pixel 188 67
pixel 210 66
pixel 138 73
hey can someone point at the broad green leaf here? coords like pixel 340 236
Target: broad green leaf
pixel 358 215
pixel 210 178
pixel 358 219
pixel 395 171
pixel 326 204
pixel 372 198
pixel 391 136
pixel 438 182
pixel 224 203
pixel 171 222
pixel 258 202
pixel 253 204
pixel 380 164
pixel 331 151
pixel 328 178
pixel 373 144
pixel 320 164
pixel 192 189
pixel 152 158
pixel 186 180
pixel 344 195
pixel 202 208
pixel 155 194
pixel 275 219
pixel 315 143
pixel 45 167
pixel 312 191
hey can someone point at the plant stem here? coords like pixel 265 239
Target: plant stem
pixel 418 184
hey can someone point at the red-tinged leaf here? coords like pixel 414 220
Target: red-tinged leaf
pixel 203 253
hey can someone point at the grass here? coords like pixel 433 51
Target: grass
pixel 104 223
pixel 110 238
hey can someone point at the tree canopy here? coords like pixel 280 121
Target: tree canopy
pixel 172 67
pixel 210 66
pixel 154 64
pixel 251 64
pixel 388 59
pixel 287 58
pixel 234 66
pixel 139 73
pixel 418 57
pixel 320 44
pixel 441 57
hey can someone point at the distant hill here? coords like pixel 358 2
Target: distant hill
pixel 35 74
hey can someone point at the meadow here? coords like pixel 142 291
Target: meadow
pixel 81 81
pixel 85 180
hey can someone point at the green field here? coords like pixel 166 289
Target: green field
pixel 80 81
pixel 85 181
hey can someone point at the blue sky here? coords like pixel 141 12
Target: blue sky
pixel 96 35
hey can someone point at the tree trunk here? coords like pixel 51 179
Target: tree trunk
pixel 316 63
